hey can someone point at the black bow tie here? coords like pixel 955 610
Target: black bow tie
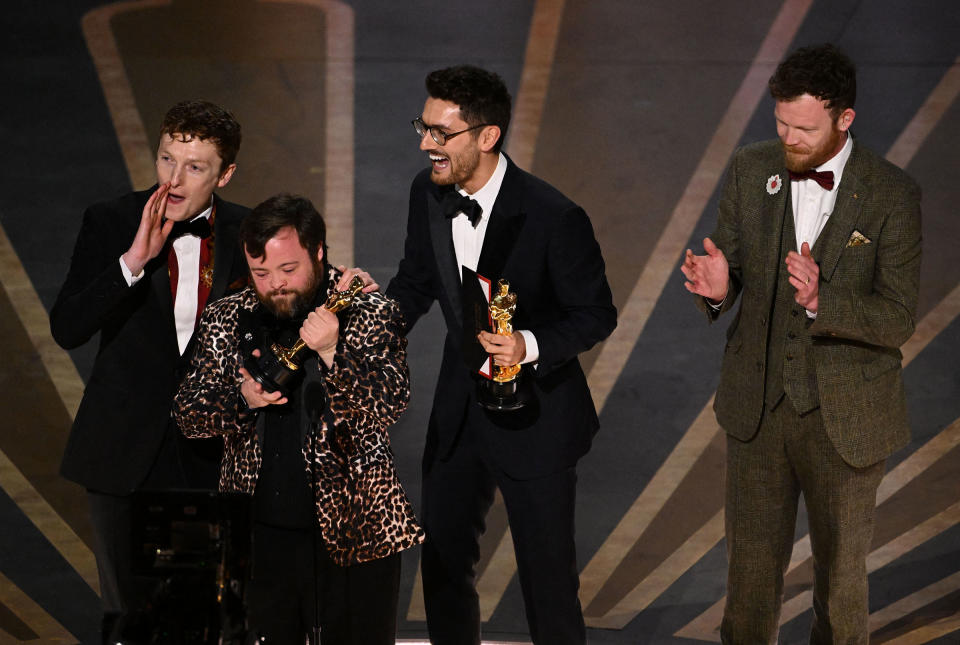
pixel 199 226
pixel 824 178
pixel 453 203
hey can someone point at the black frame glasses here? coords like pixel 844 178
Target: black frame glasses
pixel 439 135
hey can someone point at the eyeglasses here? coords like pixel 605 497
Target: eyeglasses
pixel 437 134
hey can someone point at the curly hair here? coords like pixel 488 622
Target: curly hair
pixel 280 211
pixel 823 72
pixel 482 96
pixel 207 122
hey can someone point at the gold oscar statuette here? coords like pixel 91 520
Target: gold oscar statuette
pixel 503 392
pixel 279 367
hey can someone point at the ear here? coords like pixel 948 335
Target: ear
pixel 320 253
pixel 488 137
pixel 226 175
pixel 845 120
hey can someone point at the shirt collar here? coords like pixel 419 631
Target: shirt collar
pixel 837 163
pixel 205 214
pixel 487 195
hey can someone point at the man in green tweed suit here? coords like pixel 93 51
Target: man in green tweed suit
pixel 820 238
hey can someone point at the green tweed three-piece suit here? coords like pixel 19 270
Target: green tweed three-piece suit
pixel 811 405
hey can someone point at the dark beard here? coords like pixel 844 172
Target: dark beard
pixel 304 301
pixel 462 167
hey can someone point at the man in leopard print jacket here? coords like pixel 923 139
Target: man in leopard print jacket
pixel 317 461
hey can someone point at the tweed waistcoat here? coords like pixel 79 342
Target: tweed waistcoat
pixel 790 368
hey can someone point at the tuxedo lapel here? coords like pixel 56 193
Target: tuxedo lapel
pixel 504 226
pixel 843 220
pixel 160 284
pixel 441 236
pixel 224 250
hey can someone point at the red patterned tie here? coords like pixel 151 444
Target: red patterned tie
pixel 205 265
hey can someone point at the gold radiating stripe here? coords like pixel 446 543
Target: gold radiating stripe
pixel 521 145
pixel 63 374
pixel 339 81
pixel 913 136
pixel 496 576
pixel 534 81
pixel 48 522
pixel 915 602
pixel 24 300
pixel 135 147
pixel 656 273
pixel 663 576
pixel 33 616
pixel 929 632
pixel 646 507
pixel 688 211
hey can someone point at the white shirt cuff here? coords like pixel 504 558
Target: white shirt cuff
pixel 127 275
pixel 533 350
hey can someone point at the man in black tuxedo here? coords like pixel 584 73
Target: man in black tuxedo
pixel 143 267
pixel 518 228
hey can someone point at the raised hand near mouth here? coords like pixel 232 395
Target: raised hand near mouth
pixel 152 233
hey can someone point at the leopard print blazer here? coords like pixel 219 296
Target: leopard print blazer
pixel 362 509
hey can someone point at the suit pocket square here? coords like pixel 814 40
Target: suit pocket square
pixel 857 239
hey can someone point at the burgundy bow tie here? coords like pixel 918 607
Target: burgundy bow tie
pixel 825 178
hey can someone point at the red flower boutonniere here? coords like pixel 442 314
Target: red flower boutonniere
pixel 773 184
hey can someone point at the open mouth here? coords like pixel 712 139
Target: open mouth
pixel 439 162
pixel 175 199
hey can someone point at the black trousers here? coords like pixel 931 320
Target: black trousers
pixel 358 603
pixel 182 463
pixel 457 493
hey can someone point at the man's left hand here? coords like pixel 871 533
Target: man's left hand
pixel 369 284
pixel 505 350
pixel 320 332
pixel 805 277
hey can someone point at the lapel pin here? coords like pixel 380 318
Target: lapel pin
pixel 773 184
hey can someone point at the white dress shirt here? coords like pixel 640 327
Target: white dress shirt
pixel 187 249
pixel 468 240
pixel 813 204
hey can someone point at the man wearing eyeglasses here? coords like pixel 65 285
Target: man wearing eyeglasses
pixel 474 209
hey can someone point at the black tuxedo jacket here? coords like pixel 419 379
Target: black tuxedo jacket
pixel 544 245
pixel 126 406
